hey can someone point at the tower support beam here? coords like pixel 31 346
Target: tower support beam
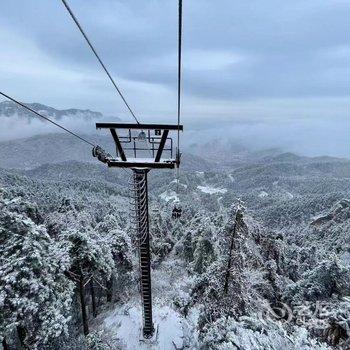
pixel 157 141
pixel 142 228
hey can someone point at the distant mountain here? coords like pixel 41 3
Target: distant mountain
pixel 10 109
pixel 219 150
pixel 32 152
pixel 29 153
pixel 76 170
pixel 288 157
pixel 265 153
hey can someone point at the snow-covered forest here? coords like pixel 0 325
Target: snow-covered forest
pixel 260 258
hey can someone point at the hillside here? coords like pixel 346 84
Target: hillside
pixel 291 244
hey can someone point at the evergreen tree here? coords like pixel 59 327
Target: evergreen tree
pixel 91 259
pixel 204 253
pixel 35 295
pixel 119 243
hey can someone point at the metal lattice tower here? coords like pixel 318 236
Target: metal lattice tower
pixel 141 139
pixel 141 222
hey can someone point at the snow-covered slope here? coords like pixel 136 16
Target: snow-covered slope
pixel 290 247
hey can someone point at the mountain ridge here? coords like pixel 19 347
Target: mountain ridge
pixel 10 109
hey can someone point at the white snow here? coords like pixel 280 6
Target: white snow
pixel 122 326
pixel 289 195
pixel 125 325
pixel 345 259
pixel 211 190
pixel 231 178
pixel 263 194
pixel 169 195
pixel 144 160
pixel 175 181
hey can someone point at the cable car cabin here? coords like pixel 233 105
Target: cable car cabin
pixel 145 146
pixel 177 212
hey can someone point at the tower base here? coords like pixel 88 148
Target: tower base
pixel 152 339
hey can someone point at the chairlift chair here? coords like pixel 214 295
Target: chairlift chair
pixel 177 211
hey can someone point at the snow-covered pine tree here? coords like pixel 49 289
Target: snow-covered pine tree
pixel 91 259
pixel 162 235
pixel 236 223
pixel 203 255
pixel 35 297
pixel 119 242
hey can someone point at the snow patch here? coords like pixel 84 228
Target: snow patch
pixel 289 195
pixel 211 190
pixel 125 325
pixel 175 182
pixel 345 259
pixel 231 178
pixel 263 194
pixel 169 195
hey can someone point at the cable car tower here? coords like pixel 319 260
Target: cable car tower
pixel 131 152
pixel 133 142
pixel 141 148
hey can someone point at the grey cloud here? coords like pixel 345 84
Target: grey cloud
pixel 286 38
pixel 292 58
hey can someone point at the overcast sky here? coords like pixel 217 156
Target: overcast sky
pixel 272 66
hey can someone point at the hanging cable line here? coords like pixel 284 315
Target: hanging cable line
pixel 50 121
pixel 179 90
pixel 47 119
pixel 98 58
pixel 179 74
